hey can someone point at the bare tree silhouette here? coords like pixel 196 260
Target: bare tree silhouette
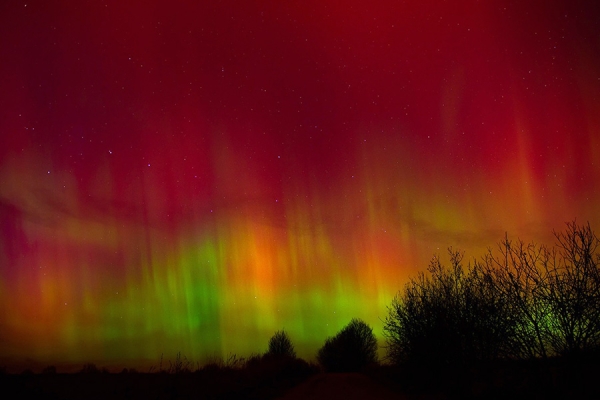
pixel 554 292
pixel 516 277
pixel 524 301
pixel 573 295
pixel 450 316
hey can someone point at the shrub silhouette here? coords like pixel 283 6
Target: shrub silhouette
pixel 280 345
pixel 89 368
pixel 353 348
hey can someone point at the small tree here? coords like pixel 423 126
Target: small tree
pixel 281 345
pixel 353 348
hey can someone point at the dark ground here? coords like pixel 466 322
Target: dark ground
pixel 531 380
pixel 347 386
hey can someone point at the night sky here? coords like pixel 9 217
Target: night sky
pixel 194 175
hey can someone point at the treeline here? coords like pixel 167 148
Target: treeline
pixel 519 302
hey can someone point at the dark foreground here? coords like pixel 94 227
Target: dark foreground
pixel 534 379
pixel 153 386
pixel 292 381
pixel 347 386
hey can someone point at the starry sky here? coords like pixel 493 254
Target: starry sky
pixel 194 175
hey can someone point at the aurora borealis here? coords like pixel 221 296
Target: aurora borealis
pixel 194 175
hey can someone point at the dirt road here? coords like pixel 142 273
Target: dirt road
pixel 341 386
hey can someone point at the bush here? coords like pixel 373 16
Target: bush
pixel 280 345
pixel 352 349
